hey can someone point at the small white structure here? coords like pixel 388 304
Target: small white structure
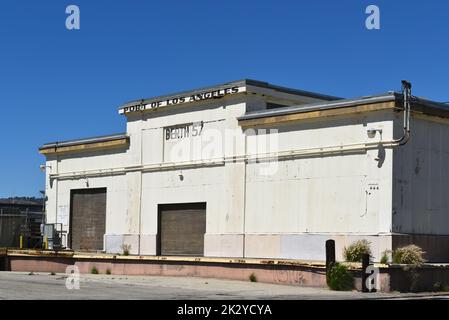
pixel 249 169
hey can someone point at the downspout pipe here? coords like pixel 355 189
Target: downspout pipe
pixel 141 191
pixel 406 99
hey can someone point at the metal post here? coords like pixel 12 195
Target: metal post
pixel 5 265
pixel 330 255
pixel 21 241
pixel 365 264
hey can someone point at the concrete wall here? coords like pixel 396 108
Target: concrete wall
pixel 421 187
pixel 291 212
pixel 119 218
pixel 391 278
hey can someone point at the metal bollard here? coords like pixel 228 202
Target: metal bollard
pixel 330 255
pixel 365 264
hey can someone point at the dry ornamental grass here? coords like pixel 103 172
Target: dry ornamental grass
pixel 355 252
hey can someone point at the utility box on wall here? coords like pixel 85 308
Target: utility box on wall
pixel 52 237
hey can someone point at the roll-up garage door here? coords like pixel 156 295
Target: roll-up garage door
pixel 181 229
pixel 88 219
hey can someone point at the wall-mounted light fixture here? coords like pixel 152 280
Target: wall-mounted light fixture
pixel 372 132
pixel 44 167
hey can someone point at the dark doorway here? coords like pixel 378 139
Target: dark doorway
pixel 181 229
pixel 87 219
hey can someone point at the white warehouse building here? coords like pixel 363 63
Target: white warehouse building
pixel 253 170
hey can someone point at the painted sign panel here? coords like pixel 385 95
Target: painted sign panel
pixel 183 131
pixel 207 95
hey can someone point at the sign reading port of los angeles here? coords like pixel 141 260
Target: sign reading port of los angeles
pixel 214 94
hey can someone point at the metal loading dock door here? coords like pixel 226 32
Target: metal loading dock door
pixel 181 229
pixel 87 219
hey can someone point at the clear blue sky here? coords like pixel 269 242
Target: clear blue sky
pixel 57 84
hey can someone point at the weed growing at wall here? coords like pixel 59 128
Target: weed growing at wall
pixel 126 249
pixel 253 277
pixel 385 259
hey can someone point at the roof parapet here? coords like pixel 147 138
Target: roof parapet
pixel 87 144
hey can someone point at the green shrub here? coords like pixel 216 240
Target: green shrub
pixel 253 277
pixel 410 254
pixel 385 259
pixel 339 278
pixel 108 271
pixel 94 270
pixel 355 252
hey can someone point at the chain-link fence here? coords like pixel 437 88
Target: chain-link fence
pixel 15 223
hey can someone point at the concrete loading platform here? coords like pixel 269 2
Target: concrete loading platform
pixel 290 272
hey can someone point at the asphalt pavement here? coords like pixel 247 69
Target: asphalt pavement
pixel 44 286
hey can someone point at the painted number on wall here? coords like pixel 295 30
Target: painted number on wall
pixel 184 131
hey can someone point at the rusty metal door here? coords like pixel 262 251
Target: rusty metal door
pixel 181 229
pixel 87 219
